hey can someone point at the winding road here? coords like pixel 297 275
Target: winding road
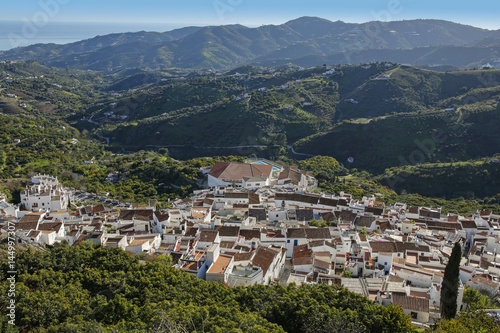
pixel 294 152
pixel 102 137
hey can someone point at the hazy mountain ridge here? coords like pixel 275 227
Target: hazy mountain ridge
pixel 224 47
pixel 41 51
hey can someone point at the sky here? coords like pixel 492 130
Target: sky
pixel 177 13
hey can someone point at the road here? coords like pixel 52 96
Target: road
pixel 103 137
pixel 91 121
pixel 340 116
pixel 294 152
pixel 199 147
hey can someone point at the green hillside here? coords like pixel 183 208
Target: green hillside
pixel 409 89
pixel 382 114
pixel 228 111
pixel 218 124
pixel 407 139
pixel 28 143
pixel 477 178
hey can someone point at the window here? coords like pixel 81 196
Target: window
pixel 288 241
pixel 414 315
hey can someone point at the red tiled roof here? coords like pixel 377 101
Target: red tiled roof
pixel 328 216
pixel 290 173
pixel 137 214
pixel 98 209
pixel 468 224
pixel 318 233
pixel 208 235
pixel 295 233
pixel 410 303
pixel 30 218
pixel 328 202
pixel 243 256
pixel 236 171
pixel 263 258
pixel 162 216
pixel 249 234
pixel 50 226
pixel 228 231
pixel 307 198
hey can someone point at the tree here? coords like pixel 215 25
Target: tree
pixel 476 300
pixel 449 287
pixel 323 167
pixel 396 320
pixel 347 274
pixel 467 321
pixel 279 139
pixel 317 223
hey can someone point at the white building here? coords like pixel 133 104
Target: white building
pixel 227 174
pixel 144 243
pixel 45 194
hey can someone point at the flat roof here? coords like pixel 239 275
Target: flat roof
pixel 220 265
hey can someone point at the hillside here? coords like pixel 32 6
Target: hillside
pixel 377 113
pixel 295 103
pixel 476 178
pixel 380 103
pixel 408 89
pixel 466 57
pixel 407 139
pixel 224 47
pixel 227 111
pixel 28 143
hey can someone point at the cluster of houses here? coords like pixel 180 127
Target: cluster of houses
pixel 239 233
pixel 45 193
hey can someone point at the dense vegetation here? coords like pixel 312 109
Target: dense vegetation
pixel 411 146
pixel 165 115
pixel 476 178
pixel 470 321
pixel 397 140
pixel 89 289
pixel 41 143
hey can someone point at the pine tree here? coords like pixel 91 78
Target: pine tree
pixel 449 287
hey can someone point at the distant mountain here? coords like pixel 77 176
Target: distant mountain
pixel 225 47
pixel 48 51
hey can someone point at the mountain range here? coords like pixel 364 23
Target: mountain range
pixel 304 41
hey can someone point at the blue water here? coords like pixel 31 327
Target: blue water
pixel 14 34
pixel 262 163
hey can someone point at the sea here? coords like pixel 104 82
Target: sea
pixel 23 33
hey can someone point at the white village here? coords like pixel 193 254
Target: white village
pixel 253 224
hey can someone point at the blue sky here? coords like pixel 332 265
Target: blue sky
pixel 175 13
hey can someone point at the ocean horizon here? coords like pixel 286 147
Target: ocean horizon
pixel 17 33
